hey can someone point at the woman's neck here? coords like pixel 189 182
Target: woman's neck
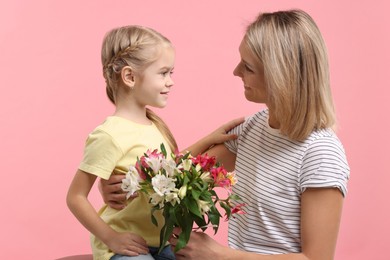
pixel 272 121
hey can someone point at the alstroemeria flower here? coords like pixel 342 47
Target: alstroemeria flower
pixel 238 209
pixel 172 198
pixel 154 163
pixel 162 184
pixel 232 177
pixel 141 174
pixel 205 161
pixel 219 176
pixel 183 191
pixel 204 206
pixel 131 182
pixel 186 164
pixel 205 176
pixel 156 199
pixel 169 166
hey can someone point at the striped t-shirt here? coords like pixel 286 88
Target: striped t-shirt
pixel 272 173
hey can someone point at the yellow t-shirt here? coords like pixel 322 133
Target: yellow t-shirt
pixel 113 147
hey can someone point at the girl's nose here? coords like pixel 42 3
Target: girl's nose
pixel 169 83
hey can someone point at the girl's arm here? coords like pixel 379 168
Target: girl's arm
pixel 219 136
pixel 320 219
pixel 78 203
pixel 211 144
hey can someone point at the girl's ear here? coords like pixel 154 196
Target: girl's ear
pixel 127 75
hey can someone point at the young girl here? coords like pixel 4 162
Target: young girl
pixel 137 66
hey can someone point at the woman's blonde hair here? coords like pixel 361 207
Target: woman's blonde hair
pixel 134 46
pixel 290 47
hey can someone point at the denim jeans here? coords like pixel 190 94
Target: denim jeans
pixel 166 254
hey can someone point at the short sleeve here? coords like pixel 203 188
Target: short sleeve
pixel 101 154
pixel 325 165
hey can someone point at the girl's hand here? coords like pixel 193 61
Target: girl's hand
pixel 220 135
pixel 112 193
pixel 127 244
pixel 200 246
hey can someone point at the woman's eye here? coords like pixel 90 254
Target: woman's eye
pixel 247 68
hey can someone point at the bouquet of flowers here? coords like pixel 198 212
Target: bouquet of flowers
pixel 182 187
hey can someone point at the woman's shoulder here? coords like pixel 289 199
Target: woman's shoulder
pixel 325 141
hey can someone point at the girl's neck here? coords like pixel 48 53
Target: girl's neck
pixel 135 114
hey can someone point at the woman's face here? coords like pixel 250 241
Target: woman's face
pixel 251 71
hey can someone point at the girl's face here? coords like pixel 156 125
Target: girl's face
pixel 154 83
pixel 251 71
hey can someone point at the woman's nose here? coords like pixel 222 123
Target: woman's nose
pixel 236 70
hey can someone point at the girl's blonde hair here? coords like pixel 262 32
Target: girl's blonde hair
pixel 290 47
pixel 137 47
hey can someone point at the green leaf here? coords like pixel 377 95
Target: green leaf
pixel 201 222
pixel 234 197
pixel 154 220
pixel 193 206
pixel 163 150
pixel 184 236
pixel 226 207
pixel 201 186
pixel 195 194
pixel 167 230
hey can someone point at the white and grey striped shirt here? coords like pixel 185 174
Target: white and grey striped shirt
pixel 272 173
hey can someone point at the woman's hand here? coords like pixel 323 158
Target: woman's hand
pixel 127 244
pixel 112 193
pixel 200 246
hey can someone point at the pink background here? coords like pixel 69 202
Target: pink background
pixel 53 96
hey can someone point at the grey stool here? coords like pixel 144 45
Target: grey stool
pixel 76 257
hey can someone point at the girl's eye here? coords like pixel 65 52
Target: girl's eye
pixel 165 73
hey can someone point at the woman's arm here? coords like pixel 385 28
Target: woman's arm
pixel 77 200
pixel 320 219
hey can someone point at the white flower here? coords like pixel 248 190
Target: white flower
pixel 131 182
pixel 172 198
pixel 169 166
pixel 183 191
pixel 162 184
pixel 186 164
pixel 206 177
pixel 204 206
pixel 154 163
pixel 156 199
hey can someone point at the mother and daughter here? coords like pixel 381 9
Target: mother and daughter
pixel 291 167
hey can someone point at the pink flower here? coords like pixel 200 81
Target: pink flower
pixel 205 161
pixel 238 209
pixel 144 162
pixel 219 175
pixel 138 167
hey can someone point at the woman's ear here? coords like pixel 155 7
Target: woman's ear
pixel 128 78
